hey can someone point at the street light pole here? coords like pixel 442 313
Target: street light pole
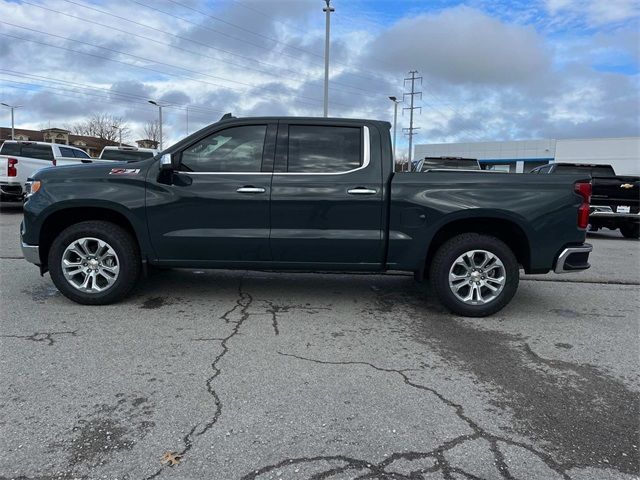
pixel 119 134
pixel 328 9
pixel 12 107
pixel 159 105
pixel 395 122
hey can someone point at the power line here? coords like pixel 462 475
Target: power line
pixel 171 45
pixel 372 74
pixel 196 42
pixel 147 60
pixel 110 92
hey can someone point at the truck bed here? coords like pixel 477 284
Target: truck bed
pixel 421 203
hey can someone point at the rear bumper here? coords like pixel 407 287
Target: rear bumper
pixel 13 189
pixel 573 259
pixel 607 212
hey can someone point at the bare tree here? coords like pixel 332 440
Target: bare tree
pixel 151 130
pixel 103 126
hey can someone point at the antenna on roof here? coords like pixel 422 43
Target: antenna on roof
pixel 227 116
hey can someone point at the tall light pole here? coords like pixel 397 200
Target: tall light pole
pixel 116 127
pixel 328 9
pixel 395 121
pixel 159 105
pixel 13 107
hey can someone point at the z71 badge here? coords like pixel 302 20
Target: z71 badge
pixel 124 171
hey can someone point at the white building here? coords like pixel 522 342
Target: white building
pixel 522 155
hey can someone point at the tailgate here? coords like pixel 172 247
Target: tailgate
pixel 614 191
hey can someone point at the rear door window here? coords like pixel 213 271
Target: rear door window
pixel 66 152
pixel 33 150
pixel 10 149
pixel 324 149
pixel 80 154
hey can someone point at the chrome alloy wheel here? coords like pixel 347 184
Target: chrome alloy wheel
pixel 90 265
pixel 477 277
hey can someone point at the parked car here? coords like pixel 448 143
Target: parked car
pixel 616 199
pixel 127 154
pixel 19 160
pixel 447 163
pixel 313 194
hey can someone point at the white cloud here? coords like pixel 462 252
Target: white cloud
pixel 485 77
pixel 595 12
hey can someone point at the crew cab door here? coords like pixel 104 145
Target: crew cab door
pixel 326 196
pixel 214 210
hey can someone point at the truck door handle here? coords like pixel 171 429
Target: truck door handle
pixel 251 189
pixel 362 191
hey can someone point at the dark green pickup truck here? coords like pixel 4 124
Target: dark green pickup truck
pixel 304 194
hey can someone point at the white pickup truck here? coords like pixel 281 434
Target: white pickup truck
pixel 19 160
pixel 127 154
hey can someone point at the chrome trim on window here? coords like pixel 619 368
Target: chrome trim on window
pixel 366 142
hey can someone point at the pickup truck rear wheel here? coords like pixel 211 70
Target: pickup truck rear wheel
pixel 630 230
pixel 474 275
pixel 94 262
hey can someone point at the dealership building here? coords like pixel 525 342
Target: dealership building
pixel 522 155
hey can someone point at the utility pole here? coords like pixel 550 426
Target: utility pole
pixel 328 9
pixel 13 107
pixel 187 120
pixel 411 130
pixel 395 122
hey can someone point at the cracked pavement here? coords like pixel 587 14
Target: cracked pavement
pixel 317 376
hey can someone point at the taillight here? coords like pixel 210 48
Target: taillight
pixel 584 190
pixel 53 162
pixel 12 171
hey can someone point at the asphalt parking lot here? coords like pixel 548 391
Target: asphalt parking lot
pixel 315 376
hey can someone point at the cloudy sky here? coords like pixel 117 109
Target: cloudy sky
pixel 492 70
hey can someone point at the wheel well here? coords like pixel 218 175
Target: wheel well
pixel 507 231
pixel 58 221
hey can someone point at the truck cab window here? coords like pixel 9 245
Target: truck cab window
pixel 324 149
pixel 237 149
pixel 66 152
pixel 41 152
pixel 80 154
pixel 10 148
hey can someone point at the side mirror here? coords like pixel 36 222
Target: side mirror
pixel 165 162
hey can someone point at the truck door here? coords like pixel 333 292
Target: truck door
pixel 215 211
pixel 326 196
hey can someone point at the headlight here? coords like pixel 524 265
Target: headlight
pixel 32 187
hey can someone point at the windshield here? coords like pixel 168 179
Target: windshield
pixel 125 155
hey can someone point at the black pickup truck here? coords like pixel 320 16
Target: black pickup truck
pixel 303 194
pixel 615 199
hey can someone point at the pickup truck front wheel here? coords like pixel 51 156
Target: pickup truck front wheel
pixel 94 262
pixel 474 275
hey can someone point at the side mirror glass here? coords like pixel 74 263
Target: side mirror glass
pixel 165 162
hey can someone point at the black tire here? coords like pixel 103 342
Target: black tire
pixel 447 255
pixel 630 230
pixel 122 243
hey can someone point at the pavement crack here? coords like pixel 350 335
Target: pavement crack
pixel 43 336
pixel 241 307
pixel 274 310
pixel 477 430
